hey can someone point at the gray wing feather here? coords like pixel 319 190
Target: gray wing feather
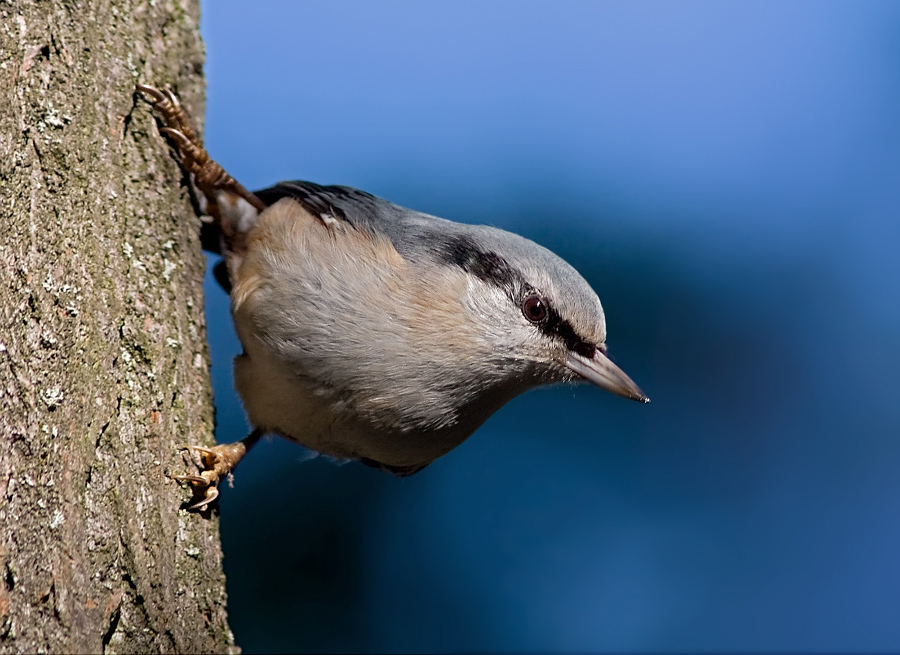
pixel 405 228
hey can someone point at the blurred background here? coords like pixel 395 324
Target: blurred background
pixel 727 177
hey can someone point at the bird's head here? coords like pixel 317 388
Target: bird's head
pixel 540 320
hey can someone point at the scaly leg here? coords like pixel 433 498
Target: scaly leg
pixel 233 208
pixel 210 176
pixel 218 462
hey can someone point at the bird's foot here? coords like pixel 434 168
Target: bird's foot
pixel 208 175
pixel 217 463
pixel 194 158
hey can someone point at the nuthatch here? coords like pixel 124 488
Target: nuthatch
pixel 376 333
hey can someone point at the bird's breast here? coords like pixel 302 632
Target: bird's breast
pixel 352 350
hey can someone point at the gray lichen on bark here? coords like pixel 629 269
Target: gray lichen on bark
pixel 103 360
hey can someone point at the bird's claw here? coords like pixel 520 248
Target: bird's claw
pixel 216 464
pixel 207 455
pixel 208 175
pixel 193 479
pixel 177 128
pixel 205 485
pixel 168 106
pixel 207 495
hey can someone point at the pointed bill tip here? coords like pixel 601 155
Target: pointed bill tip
pixel 600 370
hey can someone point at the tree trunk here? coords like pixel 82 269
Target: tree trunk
pixel 104 371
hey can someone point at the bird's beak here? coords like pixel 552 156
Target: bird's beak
pixel 600 370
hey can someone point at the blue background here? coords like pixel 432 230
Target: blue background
pixel 727 177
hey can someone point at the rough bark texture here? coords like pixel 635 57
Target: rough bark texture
pixel 103 360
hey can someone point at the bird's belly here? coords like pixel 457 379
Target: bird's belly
pixel 289 404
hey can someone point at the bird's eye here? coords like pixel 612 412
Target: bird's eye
pixel 534 308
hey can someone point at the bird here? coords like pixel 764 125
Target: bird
pixel 377 333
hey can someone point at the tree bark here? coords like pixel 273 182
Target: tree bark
pixel 104 369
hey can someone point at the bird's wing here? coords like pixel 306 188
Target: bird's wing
pixel 358 208
pixel 403 227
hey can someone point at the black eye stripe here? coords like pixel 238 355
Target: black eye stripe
pixel 560 328
pixel 585 349
pixel 488 267
pixel 553 325
pixel 493 269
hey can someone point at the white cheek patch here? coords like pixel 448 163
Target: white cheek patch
pixel 497 320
